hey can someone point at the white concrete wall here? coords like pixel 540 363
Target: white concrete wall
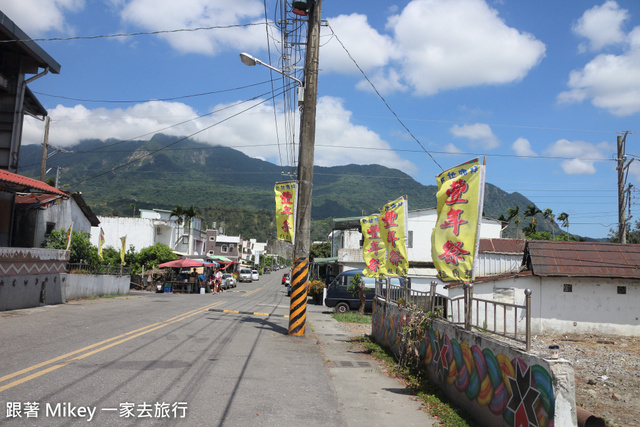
pixel 593 306
pixel 422 222
pixel 62 214
pixel 85 286
pixel 140 232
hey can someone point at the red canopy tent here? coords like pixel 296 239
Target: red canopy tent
pixel 182 263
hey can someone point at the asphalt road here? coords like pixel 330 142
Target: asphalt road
pixel 164 359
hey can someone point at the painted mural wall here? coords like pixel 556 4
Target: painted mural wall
pixel 497 384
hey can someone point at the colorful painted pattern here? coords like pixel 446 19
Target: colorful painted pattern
pixel 522 395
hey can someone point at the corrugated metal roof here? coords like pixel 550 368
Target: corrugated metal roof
pixel 583 259
pixel 502 246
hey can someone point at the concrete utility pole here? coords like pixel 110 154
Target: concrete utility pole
pixel 302 242
pixel 622 177
pixel 43 164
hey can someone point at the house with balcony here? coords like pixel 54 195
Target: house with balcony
pixel 252 248
pixel 153 226
pixel 221 245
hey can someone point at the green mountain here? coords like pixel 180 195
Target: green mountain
pixel 229 187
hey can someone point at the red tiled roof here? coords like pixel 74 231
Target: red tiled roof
pixel 503 246
pixel 583 259
pixel 17 183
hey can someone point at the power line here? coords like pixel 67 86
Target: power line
pixel 169 145
pixel 139 33
pixel 382 98
pixel 131 101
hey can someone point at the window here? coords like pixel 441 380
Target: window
pixel 224 249
pixel 622 290
pixel 212 238
pixel 50 227
pixel 410 239
pixel 567 287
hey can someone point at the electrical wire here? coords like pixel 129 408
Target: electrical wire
pixel 139 33
pixel 382 98
pixel 134 101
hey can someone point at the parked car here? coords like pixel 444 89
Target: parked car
pixel 228 281
pixel 343 300
pixel 286 279
pixel 244 275
pixel 255 275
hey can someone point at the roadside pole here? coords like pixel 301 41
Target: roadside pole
pixel 302 241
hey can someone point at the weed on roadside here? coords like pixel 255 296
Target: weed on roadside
pixel 436 402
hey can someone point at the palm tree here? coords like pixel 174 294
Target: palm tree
pixel 564 219
pixel 512 214
pixel 548 215
pixel 532 211
pixel 178 212
pixel 189 214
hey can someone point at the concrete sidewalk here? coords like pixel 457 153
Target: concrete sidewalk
pixel 368 396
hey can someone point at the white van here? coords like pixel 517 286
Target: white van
pixel 244 275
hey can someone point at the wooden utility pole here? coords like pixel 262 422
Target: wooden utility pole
pixel 302 241
pixel 43 164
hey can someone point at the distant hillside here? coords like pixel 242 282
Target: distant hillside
pixel 228 186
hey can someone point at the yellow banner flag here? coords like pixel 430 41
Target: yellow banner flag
pixel 69 232
pixel 286 203
pixel 100 242
pixel 455 238
pixel 124 243
pixel 373 249
pixel 393 229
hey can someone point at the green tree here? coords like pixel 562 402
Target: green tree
pixel 320 250
pixel 549 216
pixel 81 247
pixel 564 219
pixel 189 214
pixel 356 287
pixel 154 255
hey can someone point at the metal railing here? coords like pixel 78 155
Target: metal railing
pixel 110 270
pixel 486 316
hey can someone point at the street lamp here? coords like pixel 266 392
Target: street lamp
pixel 251 61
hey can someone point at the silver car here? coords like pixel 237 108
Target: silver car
pixel 228 281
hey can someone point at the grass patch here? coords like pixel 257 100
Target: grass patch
pixel 436 402
pixel 352 317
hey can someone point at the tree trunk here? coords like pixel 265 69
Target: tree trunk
pixel 362 299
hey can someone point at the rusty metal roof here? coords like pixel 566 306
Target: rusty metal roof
pixel 502 246
pixel 583 259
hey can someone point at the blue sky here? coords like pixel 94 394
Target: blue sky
pixel 542 89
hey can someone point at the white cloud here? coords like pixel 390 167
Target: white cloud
pixel 156 15
pixel 480 135
pixel 449 44
pixel 335 133
pixel 522 147
pixel 253 132
pixel 610 81
pixel 585 155
pixel 367 47
pixel 35 17
pixel 601 25
pixel 451 149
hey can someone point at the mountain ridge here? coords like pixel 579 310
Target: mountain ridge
pixel 166 171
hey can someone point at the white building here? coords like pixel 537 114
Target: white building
pixel 251 247
pixel 577 287
pixel 36 215
pixel 346 245
pixel 153 226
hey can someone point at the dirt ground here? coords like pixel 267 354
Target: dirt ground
pixel 607 372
